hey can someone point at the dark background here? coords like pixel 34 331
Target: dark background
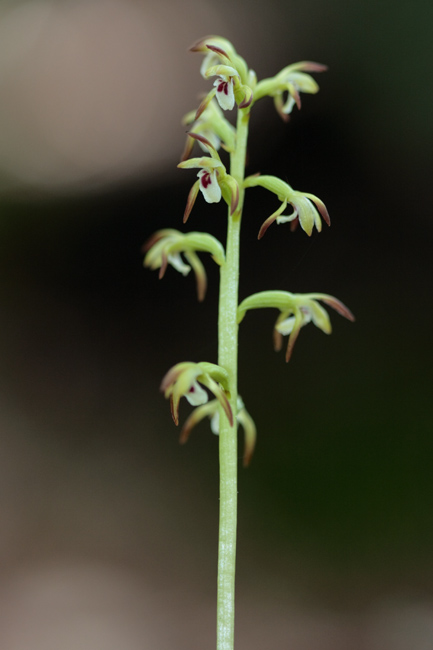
pixel 109 527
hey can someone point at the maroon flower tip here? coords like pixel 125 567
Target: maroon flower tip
pixel 184 434
pixel 201 288
pixel 200 110
pixel 294 224
pixel 312 66
pixel 187 150
pixel 297 97
pixel 201 139
pixel 264 227
pixel 200 45
pixel 174 412
pixel 235 200
pixel 291 344
pixel 150 242
pixel 187 212
pixel 324 212
pixel 340 308
pixel 230 415
pixel 168 379
pixel 191 200
pixel 246 101
pixel 278 340
pixel 164 264
pixel 247 458
pixel 218 50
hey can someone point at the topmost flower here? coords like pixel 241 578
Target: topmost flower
pixel 234 80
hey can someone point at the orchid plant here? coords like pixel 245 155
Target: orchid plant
pixel 235 85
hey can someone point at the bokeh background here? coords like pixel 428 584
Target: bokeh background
pixel 108 527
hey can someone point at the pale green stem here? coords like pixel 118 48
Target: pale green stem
pixel 228 358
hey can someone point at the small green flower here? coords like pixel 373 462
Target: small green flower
pixel 233 76
pixel 211 410
pixel 297 309
pixel 184 379
pixel 306 207
pixel 291 80
pixel 214 182
pixel 165 247
pixel 213 126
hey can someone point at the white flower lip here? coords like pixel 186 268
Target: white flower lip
pixel 224 92
pixel 209 185
pixel 196 395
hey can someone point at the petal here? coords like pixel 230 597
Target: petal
pixel 181 389
pixel 320 206
pixel 178 264
pixel 285 327
pixel 223 71
pixel 205 103
pixel 308 66
pixel 334 303
pixel 224 93
pixel 215 423
pixel 191 200
pixel 250 432
pixel 164 263
pixel 212 138
pixel 205 162
pixel 219 393
pixel 210 60
pixel 294 335
pixel 287 218
pixel 306 212
pixel 278 340
pixel 196 416
pixel 187 148
pixel 265 225
pixel 279 107
pixel 196 394
pixel 205 144
pixel 248 97
pixel 319 316
pixel 209 186
pixel 219 52
pixel 171 377
pixel 303 82
pixel 289 104
pixel 200 274
pixel 230 192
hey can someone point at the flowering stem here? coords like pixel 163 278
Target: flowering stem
pixel 228 359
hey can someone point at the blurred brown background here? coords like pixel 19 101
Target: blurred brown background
pixel 108 529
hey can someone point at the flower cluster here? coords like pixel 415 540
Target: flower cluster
pixel 297 309
pixel 234 84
